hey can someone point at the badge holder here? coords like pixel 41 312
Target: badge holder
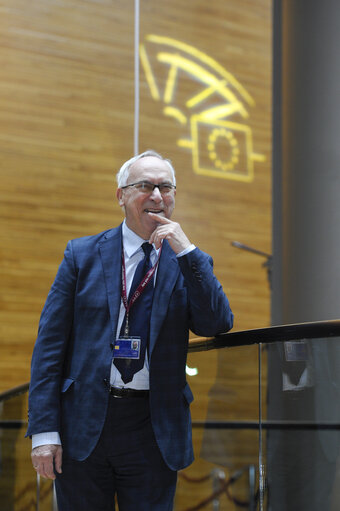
pixel 127 347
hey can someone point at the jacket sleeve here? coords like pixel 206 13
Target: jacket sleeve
pixel 49 351
pixel 209 308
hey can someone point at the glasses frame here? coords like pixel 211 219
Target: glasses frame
pixel 170 185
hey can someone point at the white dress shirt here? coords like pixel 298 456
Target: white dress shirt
pixel 133 254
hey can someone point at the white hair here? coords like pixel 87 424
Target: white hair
pixel 123 173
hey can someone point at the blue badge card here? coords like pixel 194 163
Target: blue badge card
pixel 127 347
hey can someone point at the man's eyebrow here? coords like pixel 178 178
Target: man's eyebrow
pixel 151 183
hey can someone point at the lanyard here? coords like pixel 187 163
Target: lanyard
pixel 138 292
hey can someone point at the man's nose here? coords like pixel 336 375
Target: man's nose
pixel 156 195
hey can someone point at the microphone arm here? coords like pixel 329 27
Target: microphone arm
pixel 268 264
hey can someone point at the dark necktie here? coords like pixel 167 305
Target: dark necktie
pixel 139 317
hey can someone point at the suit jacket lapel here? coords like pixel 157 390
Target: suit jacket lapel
pixel 111 255
pixel 110 248
pixel 167 274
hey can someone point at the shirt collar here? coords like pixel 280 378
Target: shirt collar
pixel 131 241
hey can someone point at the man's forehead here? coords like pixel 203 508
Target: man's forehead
pixel 150 166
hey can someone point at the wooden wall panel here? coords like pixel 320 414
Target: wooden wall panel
pixel 237 35
pixel 66 117
pixel 214 210
pixel 66 125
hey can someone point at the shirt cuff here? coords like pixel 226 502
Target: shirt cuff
pixel 51 437
pixel 186 251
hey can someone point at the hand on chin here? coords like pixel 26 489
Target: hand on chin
pixel 153 220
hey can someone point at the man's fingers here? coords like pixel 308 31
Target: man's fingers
pixel 158 235
pixel 46 470
pixel 161 219
pixel 45 458
pixel 172 231
pixel 58 460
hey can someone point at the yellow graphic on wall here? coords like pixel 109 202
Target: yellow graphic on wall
pixel 207 102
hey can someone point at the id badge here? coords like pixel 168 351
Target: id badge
pixel 127 347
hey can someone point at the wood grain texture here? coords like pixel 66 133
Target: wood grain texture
pixel 66 126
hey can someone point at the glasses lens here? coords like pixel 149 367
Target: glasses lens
pixel 144 187
pixel 165 188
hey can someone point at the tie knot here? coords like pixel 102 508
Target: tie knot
pixel 147 247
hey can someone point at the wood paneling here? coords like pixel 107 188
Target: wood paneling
pixel 66 125
pixel 216 211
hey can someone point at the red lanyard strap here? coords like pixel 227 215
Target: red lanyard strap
pixel 141 287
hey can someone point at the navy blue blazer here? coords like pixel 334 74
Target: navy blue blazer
pixel 73 353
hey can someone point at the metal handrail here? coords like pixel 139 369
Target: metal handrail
pixel 15 391
pixel 268 335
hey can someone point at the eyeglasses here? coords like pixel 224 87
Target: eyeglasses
pixel 147 187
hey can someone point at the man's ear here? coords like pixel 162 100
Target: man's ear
pixel 119 195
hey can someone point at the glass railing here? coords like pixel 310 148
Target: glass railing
pixel 20 488
pixel 268 437
pixel 266 426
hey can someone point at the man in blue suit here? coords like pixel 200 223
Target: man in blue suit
pixel 109 402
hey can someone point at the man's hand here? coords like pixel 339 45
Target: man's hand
pixel 45 458
pixel 171 231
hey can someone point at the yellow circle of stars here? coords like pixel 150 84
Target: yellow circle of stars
pixel 235 151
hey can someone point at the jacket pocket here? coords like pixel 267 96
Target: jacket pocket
pixel 188 395
pixel 66 384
